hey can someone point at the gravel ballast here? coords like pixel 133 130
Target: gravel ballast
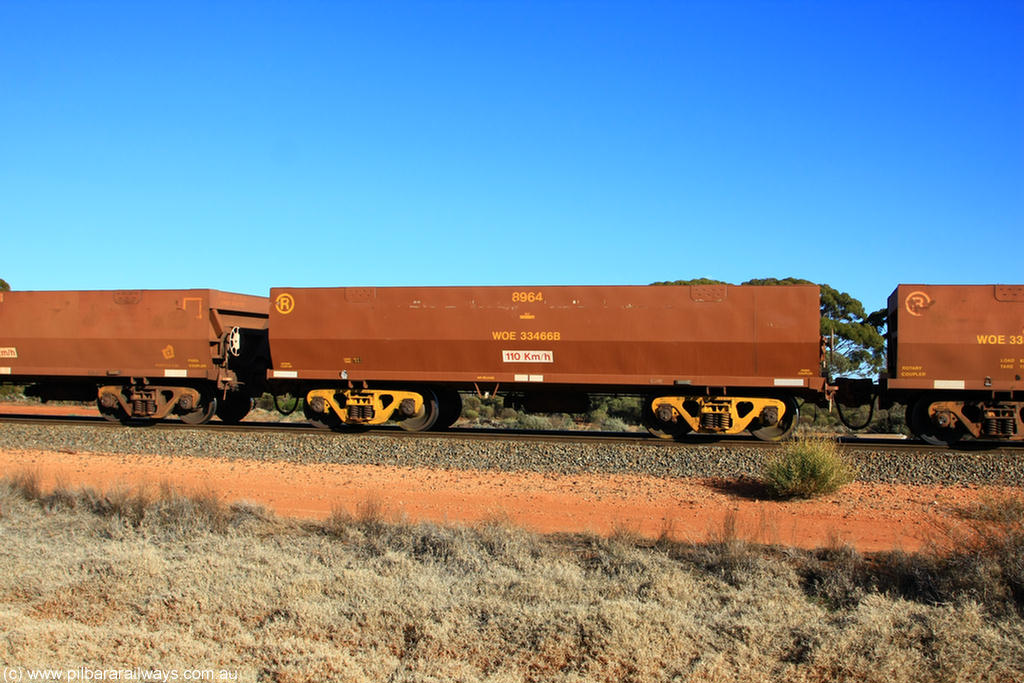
pixel 874 463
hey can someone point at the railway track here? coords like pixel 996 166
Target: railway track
pixel 874 442
pixel 876 460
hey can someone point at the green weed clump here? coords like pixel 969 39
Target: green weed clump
pixel 806 468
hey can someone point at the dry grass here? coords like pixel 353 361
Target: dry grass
pixel 1006 508
pixel 161 578
pixel 26 483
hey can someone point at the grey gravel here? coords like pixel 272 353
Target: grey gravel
pixel 874 463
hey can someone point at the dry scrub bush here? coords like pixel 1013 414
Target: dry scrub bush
pixel 805 468
pixel 838 577
pixel 980 563
pixel 26 483
pixel 135 506
pixel 996 508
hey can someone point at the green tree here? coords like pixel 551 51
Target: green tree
pixel 695 281
pixel 856 338
pixel 4 287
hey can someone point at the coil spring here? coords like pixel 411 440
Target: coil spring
pixel 360 412
pixel 143 407
pixel 715 421
pixel 998 426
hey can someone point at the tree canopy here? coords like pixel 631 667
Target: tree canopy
pixel 4 287
pixel 856 337
pixel 695 281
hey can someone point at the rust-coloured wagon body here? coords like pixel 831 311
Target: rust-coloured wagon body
pixel 956 358
pixel 663 342
pixel 128 344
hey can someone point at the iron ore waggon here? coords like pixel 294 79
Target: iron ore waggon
pixel 955 359
pixel 709 359
pixel 138 353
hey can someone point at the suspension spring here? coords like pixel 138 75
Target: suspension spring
pixel 998 421
pixel 715 421
pixel 356 412
pixel 998 426
pixel 143 407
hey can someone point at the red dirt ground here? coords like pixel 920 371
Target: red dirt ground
pixel 39 409
pixel 867 516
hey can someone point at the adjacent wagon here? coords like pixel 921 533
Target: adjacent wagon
pixel 139 353
pixel 956 358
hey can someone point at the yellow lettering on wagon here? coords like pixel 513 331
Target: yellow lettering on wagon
pixel 541 335
pixel 1000 339
pixel 912 371
pixel 526 335
pixel 198 301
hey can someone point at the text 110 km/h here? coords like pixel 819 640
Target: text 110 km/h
pixel 527 356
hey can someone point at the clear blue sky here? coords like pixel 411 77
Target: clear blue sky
pixel 240 145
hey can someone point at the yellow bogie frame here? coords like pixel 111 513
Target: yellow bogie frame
pixel 719 414
pixel 364 406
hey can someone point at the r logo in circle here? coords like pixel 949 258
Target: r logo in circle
pixel 917 303
pixel 284 303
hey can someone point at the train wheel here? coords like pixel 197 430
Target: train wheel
pixel 203 413
pixel 427 417
pixel 450 408
pixel 662 430
pixel 110 408
pixel 113 413
pixel 233 407
pixel 326 420
pixel 924 428
pixel 787 423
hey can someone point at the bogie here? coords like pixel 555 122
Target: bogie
pixel 768 418
pixel 942 420
pixel 414 410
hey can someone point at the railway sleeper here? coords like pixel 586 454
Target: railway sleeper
pixel 365 406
